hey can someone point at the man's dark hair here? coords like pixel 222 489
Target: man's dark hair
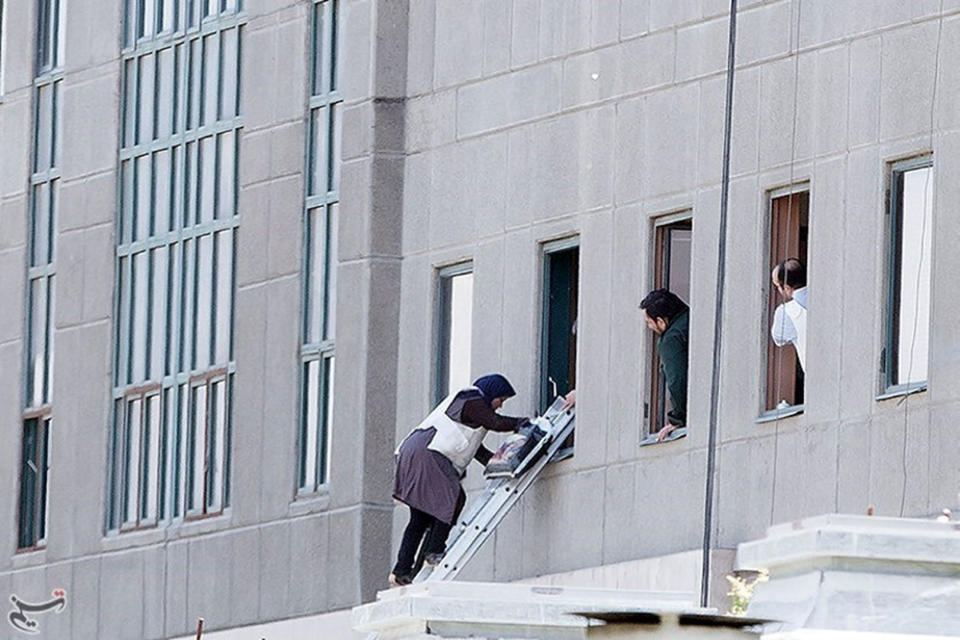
pixel 661 303
pixel 791 272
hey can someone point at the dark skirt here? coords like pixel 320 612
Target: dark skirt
pixel 427 480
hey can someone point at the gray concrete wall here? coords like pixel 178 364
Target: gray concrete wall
pixel 480 130
pixel 571 118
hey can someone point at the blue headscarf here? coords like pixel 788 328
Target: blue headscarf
pixel 494 386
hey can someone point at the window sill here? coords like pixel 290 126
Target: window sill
pixel 307 503
pixel 676 434
pixel 168 530
pixel 780 414
pixel 30 557
pixel 117 540
pixel 902 391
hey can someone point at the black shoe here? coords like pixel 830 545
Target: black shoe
pixel 400 580
pixel 433 559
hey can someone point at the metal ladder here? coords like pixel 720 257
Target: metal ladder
pixel 499 496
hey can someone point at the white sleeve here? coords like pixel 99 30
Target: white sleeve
pixel 781 329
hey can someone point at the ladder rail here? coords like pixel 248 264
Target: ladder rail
pixel 500 495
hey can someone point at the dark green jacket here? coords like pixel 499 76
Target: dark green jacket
pixel 673 360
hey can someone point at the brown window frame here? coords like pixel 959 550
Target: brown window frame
pixel 781 366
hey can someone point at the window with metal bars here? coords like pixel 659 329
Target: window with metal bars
pixel 909 232
pixel 44 207
pixel 321 205
pixel 176 239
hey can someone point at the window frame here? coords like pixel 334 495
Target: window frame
pixel 659 259
pixel 547 250
pixel 38 422
pixel 320 201
pixel 771 352
pixel 892 265
pixel 443 317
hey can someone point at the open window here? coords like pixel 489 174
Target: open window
pixel 558 341
pixel 789 229
pixel 910 229
pixel 672 244
pixel 454 328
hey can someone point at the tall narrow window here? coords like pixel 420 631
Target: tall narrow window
pixel 41 273
pixel 673 241
pixel 454 328
pixel 558 349
pixel 176 238
pixel 908 275
pixel 789 215
pixel 321 206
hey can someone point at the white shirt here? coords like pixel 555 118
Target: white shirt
pixel 784 329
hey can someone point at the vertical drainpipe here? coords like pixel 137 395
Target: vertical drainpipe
pixel 718 318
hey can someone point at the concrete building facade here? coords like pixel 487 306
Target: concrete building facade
pixel 205 204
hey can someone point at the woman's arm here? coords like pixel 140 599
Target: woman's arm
pixel 476 413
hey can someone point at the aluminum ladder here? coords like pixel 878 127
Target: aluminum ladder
pixel 499 496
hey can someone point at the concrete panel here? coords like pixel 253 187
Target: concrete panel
pixel 508 99
pixel 633 66
pixel 497 35
pixel 308 553
pixel 822 20
pixel 246 571
pixel 671 14
pixel 744 137
pixel 619 502
pixel 343 560
pixel 13 266
pixel 561 166
pixel 255 157
pixel 524 44
pixel 208 578
pixel 863 263
pixel 898 461
pixel 178 570
pixel 520 334
pixel 154 592
pixel 82 374
pixel 249 389
pixel 853 471
pixel 431 120
pixel 604 22
pixel 669 502
pixel 593 341
pixel 817 457
pixel 279 425
pixel 15 128
pixel 629 248
pixel 944 467
pixel 417 187
pixel 831 100
pixel 420 46
pixel 416 342
pixel 68 308
pixel 31 585
pixel 784 137
pixel 286 149
pixel 671 143
pixel 98 273
pixel 390 63
pixel 83 619
pixel 254 235
pixel 948 82
pixel 763 32
pixel 91 106
pixel 386 218
pixel 353 232
pixel 490 272
pixel 13 223
pixel 907 80
pixel 702 48
pixel 945 323
pixel 467 191
pixel 745 487
pixel 827 283
pixel 629 150
pixel 634 17
pixel 375 551
pixel 286 228
pixel 122 618
pixel 357 129
pixel 85 51
pixel 458 43
pixel 507 548
pixel 864 91
pixel 54 624
pixel 564 28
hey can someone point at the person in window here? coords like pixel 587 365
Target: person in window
pixel 790 318
pixel 432 459
pixel 669 317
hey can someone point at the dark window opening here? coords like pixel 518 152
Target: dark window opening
pixel 558 368
pixel 33 483
pixel 673 242
pixel 789 229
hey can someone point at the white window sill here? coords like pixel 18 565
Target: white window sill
pixel 307 503
pixel 676 434
pixel 780 414
pixel 29 558
pixel 902 391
